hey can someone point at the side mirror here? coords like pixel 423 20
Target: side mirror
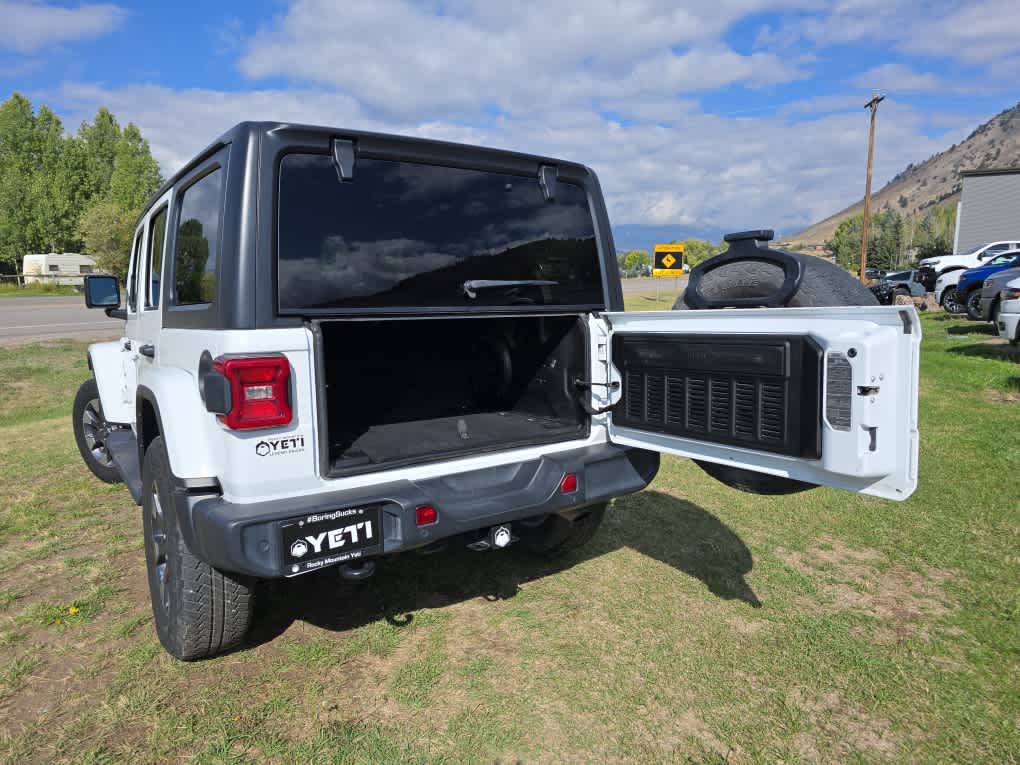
pixel 104 292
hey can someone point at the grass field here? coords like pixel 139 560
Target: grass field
pixel 701 624
pixel 8 289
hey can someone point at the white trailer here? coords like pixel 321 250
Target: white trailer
pixel 67 268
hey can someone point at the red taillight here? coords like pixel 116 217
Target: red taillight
pixel 569 484
pixel 259 395
pixel 425 515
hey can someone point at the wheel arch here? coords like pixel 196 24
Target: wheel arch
pixel 148 422
pixel 184 432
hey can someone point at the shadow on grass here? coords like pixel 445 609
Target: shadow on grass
pixel 997 351
pixel 671 530
pixel 973 328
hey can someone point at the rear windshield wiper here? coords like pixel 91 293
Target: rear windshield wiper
pixel 472 285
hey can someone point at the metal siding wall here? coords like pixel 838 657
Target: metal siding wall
pixel 990 210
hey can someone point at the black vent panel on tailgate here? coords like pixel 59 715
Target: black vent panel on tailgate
pixel 757 391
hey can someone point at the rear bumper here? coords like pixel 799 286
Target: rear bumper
pixel 1009 325
pixel 245 538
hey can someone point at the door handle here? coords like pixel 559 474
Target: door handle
pixel 148 350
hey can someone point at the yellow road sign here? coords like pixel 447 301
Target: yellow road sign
pixel 668 260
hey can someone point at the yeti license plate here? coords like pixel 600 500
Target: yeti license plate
pixel 323 539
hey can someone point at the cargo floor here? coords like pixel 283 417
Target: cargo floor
pixel 427 438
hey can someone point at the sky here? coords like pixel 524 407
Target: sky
pixel 699 117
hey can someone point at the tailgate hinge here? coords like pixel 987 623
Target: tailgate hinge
pixel 585 385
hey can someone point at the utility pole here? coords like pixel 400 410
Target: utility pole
pixel 876 99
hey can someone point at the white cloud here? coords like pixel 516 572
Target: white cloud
pixel 708 170
pixel 899 78
pixel 29 26
pixel 825 104
pixel 976 32
pixel 399 58
pixel 614 85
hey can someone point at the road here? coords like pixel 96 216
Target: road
pixel 647 284
pixel 27 319
pixel 24 320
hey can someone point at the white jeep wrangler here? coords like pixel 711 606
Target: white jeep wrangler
pixel 340 346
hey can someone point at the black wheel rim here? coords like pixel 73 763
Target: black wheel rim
pixel 157 542
pixel 95 430
pixel 974 304
pixel 950 302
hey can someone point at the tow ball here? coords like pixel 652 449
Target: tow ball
pixel 497 538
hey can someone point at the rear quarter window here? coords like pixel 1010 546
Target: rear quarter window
pixel 197 242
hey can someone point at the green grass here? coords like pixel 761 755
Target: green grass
pixel 700 625
pixel 8 289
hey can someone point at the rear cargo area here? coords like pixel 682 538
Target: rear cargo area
pixel 400 392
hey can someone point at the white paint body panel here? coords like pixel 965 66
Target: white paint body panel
pixel 886 358
pixel 944 282
pixel 108 367
pixel 1009 315
pixel 199 446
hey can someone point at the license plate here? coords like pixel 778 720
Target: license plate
pixel 323 539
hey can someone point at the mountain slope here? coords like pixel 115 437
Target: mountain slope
pixel 937 180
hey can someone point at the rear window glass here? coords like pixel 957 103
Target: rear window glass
pixel 411 235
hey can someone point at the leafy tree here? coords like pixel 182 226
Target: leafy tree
pixel 885 241
pixel 53 205
pixel 700 250
pixel 100 139
pixel 106 229
pixel 135 173
pixel 49 180
pixel 936 232
pixel 633 262
pixel 17 127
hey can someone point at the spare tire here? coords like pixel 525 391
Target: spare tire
pixel 822 284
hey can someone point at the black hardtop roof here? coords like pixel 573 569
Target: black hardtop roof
pixel 244 130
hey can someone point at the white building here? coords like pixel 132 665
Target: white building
pixel 989 208
pixel 57 268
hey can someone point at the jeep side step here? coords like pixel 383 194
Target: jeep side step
pixel 123 448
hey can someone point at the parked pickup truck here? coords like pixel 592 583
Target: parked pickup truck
pixel 340 346
pixel 930 269
pixel 968 288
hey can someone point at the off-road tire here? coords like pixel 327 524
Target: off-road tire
pixel 198 610
pixel 556 536
pixel 90 427
pixel 973 304
pixel 823 284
